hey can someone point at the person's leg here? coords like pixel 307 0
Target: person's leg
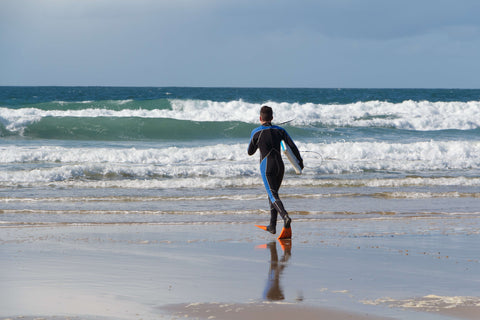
pixel 272 227
pixel 272 175
pixel 283 213
pixel 276 205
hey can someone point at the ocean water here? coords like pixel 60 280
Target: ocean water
pixel 93 155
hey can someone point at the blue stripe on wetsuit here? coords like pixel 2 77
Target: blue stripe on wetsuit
pixel 263 170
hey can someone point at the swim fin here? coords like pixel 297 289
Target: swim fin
pixel 266 228
pixel 286 233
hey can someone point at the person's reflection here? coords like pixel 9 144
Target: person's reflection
pixel 273 290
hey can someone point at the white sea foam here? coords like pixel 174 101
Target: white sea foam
pixel 332 157
pixel 82 177
pixel 429 302
pixel 418 156
pixel 153 156
pixel 229 165
pixel 235 197
pixel 409 115
pixel 67 177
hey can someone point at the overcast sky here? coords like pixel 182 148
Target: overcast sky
pixel 241 43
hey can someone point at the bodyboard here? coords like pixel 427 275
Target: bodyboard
pixel 291 157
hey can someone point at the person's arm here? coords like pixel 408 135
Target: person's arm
pixel 252 146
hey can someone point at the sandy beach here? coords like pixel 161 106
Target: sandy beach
pixel 423 267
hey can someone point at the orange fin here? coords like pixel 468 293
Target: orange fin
pixel 261 227
pixel 261 246
pixel 286 233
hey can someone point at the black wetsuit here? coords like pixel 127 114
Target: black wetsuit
pixel 267 138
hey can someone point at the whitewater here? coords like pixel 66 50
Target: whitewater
pixel 62 164
pixel 407 115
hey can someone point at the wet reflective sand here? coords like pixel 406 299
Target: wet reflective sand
pixel 404 268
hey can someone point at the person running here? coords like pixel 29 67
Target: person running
pixel 267 138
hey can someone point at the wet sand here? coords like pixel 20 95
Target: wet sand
pixel 262 311
pixel 396 268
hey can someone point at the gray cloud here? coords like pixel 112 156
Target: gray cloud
pixel 239 42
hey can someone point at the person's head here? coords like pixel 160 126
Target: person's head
pixel 266 114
